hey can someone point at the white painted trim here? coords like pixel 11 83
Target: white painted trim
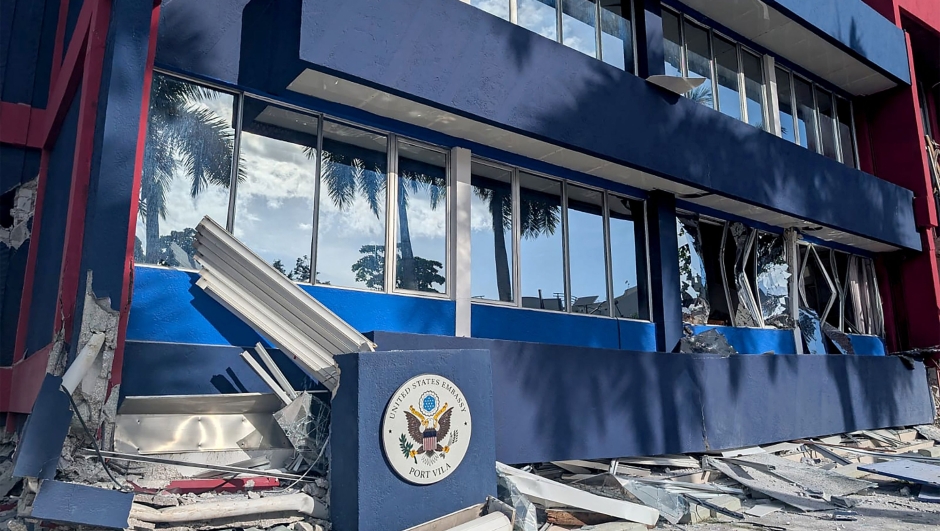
pixel 459 258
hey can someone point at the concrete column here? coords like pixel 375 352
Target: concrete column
pixel 460 238
pixel 666 308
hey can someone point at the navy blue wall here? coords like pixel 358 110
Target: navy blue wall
pixel 517 324
pixel 558 402
pixel 52 232
pixel 27 35
pixel 853 25
pixel 501 74
pixel 168 306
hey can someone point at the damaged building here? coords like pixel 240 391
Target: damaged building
pixel 620 229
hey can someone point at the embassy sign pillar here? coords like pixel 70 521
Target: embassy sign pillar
pixel 412 437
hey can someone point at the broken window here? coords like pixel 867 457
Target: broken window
pixel 692 276
pixel 773 279
pixel 187 168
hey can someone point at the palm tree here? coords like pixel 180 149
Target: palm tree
pixel 181 135
pixel 538 215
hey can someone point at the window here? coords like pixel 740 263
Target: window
pixel 627 251
pixel 491 237
pixel 699 62
pixel 500 8
pixel 187 168
pixel 541 251
pixel 579 26
pixel 672 44
pixel 600 28
pixel 350 246
pixel 580 250
pixel 753 88
pixel 785 103
pixel 827 131
pixel 806 114
pixel 586 251
pixel 274 200
pixel 846 131
pixel 421 224
pixel 726 67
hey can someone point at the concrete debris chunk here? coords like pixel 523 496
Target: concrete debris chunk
pixel 709 342
pixel 808 477
pixel 772 486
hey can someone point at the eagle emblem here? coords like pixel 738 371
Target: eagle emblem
pixel 427 425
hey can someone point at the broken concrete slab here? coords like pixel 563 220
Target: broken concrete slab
pixel 929 432
pixel 70 503
pixel 907 470
pixel 763 509
pixel 809 478
pixel 772 486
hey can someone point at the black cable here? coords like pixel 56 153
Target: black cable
pixel 94 442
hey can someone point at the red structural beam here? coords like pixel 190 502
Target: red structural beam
pixel 81 169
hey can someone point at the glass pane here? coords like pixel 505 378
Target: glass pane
pixel 187 169
pixel 784 102
pixel 726 65
pixel 815 286
pixel 846 137
pixel 274 201
pixel 421 234
pixel 826 123
pixel 773 278
pixel 491 243
pixel 578 23
pixel 500 8
pixel 623 259
pixel 586 251
pixel 753 89
pixel 351 227
pixel 692 281
pixel 672 44
pixel 543 274
pixel 699 63
pixel 616 35
pixel 806 113
pixel 538 16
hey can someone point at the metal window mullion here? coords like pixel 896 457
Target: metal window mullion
pixel 835 127
pixel 794 109
pixel 233 176
pixel 683 47
pixel 713 67
pixel 858 164
pixel 558 22
pixel 646 257
pixel 608 252
pixel 514 11
pixel 316 201
pixel 633 56
pixel 450 226
pixel 742 83
pixel 597 30
pixel 391 214
pixel 516 238
pixel 818 125
pixel 565 232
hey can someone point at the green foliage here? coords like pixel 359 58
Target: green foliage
pixel 405 446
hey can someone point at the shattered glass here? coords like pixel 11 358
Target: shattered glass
pixel 306 422
pixel 692 281
pixel 773 277
pixel 817 292
pixel 708 342
pixel 671 506
pixel 812 332
pixel 508 493
pixel 746 312
pixel 841 341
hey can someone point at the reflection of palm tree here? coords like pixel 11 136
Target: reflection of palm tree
pixel 181 136
pixel 343 176
pixel 539 215
pixel 702 94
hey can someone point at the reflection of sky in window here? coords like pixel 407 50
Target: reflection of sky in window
pixel 483 242
pixel 586 243
pixel 616 40
pixel 671 39
pixel 753 89
pixel 538 16
pixel 422 175
pixel 182 209
pixel 274 204
pixel 541 254
pixel 500 8
pixel 623 255
pixel 577 26
pixel 726 62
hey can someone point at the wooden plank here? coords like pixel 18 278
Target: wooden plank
pixel 912 471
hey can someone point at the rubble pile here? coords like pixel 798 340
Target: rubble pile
pixel 827 478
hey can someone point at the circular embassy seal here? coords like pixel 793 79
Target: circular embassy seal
pixel 426 429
